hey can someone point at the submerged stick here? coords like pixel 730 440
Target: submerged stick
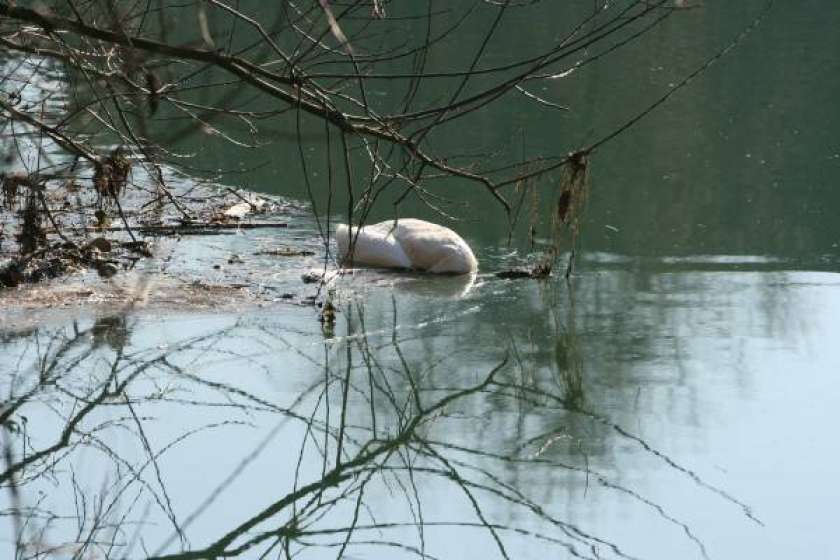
pixel 195 228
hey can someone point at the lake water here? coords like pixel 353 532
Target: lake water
pixel 674 399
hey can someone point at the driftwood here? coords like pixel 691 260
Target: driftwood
pixel 538 272
pixel 197 228
pixel 206 228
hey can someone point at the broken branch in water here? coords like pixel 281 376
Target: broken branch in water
pixel 197 228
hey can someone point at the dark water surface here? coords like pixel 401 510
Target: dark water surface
pixel 675 400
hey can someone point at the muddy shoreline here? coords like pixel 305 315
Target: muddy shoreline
pixel 239 250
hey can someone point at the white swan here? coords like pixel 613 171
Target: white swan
pixel 406 243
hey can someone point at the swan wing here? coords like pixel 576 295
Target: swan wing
pixel 434 248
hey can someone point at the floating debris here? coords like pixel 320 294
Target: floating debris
pixel 286 252
pixel 238 211
pixel 250 203
pixel 311 277
pixel 100 244
pixel 539 271
pixel 514 273
pixel 107 269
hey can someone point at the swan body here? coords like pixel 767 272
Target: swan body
pixel 406 243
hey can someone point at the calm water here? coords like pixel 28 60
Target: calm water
pixel 673 401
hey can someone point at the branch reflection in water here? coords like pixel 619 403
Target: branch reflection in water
pixel 123 441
